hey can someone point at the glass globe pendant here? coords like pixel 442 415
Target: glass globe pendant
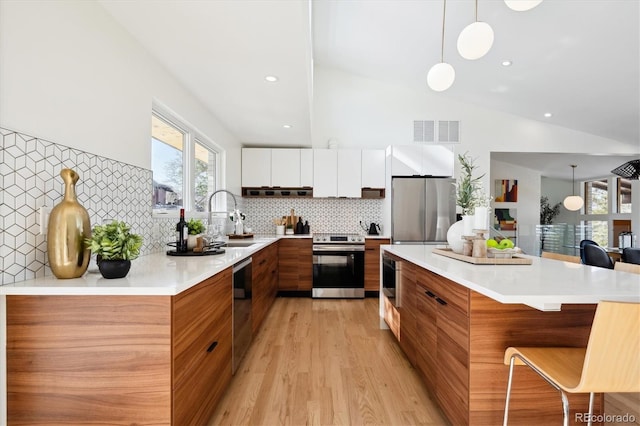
pixel 442 75
pixel 475 40
pixel 522 5
pixel 573 202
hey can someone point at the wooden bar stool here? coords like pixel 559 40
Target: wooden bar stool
pixel 609 363
pixel 627 267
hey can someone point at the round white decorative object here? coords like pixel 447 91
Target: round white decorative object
pixel 454 237
pixel 522 5
pixel 441 76
pixel 475 40
pixel 573 202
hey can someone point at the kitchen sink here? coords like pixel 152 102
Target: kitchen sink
pixel 240 243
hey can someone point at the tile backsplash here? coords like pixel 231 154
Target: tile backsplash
pixel 324 215
pixel 30 178
pixel 112 190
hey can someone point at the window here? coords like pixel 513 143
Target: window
pixel 599 231
pixel 184 162
pixel 596 197
pixel 624 195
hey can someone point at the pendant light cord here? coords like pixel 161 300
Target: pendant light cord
pixel 444 13
pixel 476 10
pixel 573 179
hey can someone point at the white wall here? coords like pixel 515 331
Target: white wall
pixel 70 74
pixel 361 112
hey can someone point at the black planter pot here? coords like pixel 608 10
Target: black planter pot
pixel 114 268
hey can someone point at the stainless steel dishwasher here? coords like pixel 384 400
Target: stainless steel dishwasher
pixel 241 311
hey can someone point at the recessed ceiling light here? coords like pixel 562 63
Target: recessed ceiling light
pixel 271 78
pixel 547 114
pixel 287 126
pixel 506 63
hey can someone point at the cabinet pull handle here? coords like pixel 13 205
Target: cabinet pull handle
pixel 428 293
pixel 263 261
pixel 212 346
pixel 440 301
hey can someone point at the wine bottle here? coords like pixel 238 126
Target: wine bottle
pixel 182 234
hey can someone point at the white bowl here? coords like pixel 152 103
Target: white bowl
pixel 501 254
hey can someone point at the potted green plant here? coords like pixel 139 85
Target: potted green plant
pixel 468 188
pixel 115 247
pixel 196 229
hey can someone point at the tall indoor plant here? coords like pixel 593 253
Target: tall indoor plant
pixel 469 194
pixel 115 247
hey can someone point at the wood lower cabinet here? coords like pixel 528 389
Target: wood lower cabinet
pixel 405 291
pixel 295 264
pixel 264 284
pixel 458 348
pixel 372 263
pixel 202 341
pixel 443 347
pixel 119 359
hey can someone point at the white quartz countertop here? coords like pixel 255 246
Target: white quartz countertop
pixel 152 275
pixel 546 284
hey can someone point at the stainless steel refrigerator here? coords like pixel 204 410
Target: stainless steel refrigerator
pixel 422 209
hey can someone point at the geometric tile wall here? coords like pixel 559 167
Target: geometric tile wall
pixel 113 190
pixel 324 215
pixel 30 178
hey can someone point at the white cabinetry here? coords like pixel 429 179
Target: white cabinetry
pixel 337 173
pixel 349 173
pixel 306 167
pixel 256 167
pixel 373 168
pixel 423 160
pixel 325 173
pixel 285 168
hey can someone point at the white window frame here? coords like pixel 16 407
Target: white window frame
pixel 192 136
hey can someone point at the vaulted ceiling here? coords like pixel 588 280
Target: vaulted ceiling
pixel 578 59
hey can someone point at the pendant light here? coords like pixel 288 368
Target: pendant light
pixel 476 39
pixel 573 202
pixel 522 5
pixel 442 75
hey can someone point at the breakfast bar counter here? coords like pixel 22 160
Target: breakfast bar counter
pixel 454 321
pixel 546 284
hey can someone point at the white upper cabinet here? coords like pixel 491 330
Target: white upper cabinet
pixel 256 167
pixel 422 160
pixel 285 168
pixel 325 173
pixel 373 168
pixel 306 167
pixel 337 173
pixel 349 173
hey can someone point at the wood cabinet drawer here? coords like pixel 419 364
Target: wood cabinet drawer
pixel 452 294
pixel 200 317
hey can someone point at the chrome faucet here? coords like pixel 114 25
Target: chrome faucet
pixel 235 202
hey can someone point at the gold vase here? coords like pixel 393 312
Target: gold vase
pixel 67 229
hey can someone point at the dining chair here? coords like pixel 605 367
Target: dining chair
pixel 609 363
pixel 560 256
pixel 595 255
pixel 631 255
pixel 584 243
pixel 627 267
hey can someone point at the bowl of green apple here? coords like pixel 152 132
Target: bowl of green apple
pixel 503 249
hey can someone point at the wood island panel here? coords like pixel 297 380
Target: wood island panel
pixel 372 263
pixel 88 360
pixel 494 327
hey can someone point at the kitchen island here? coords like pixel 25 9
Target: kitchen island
pixel 154 347
pixel 454 321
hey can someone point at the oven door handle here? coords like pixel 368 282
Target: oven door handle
pixel 337 248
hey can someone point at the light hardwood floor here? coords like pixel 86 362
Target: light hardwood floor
pixel 325 362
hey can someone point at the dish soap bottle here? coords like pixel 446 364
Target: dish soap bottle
pixel 299 226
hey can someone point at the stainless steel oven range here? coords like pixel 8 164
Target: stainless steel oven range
pixel 338 266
